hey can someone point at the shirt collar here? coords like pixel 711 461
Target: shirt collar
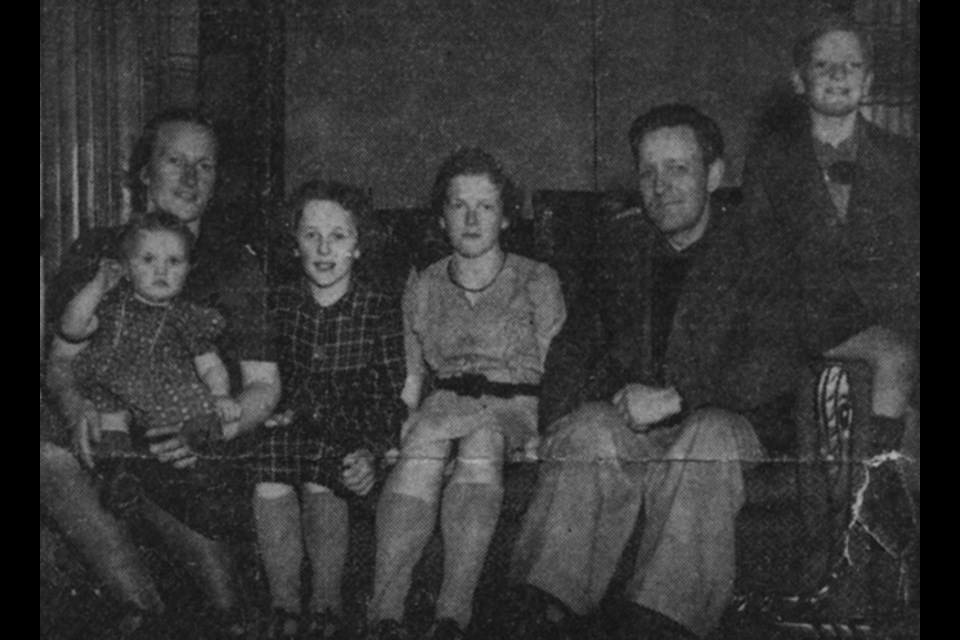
pixel 846 151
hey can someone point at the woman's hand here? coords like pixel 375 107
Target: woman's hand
pixel 281 419
pixel 168 446
pixel 391 457
pixel 358 472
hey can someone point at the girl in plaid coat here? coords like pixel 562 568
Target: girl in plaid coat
pixel 341 358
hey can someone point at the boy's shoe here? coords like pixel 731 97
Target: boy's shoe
pixel 445 629
pixel 325 626
pixel 283 625
pixel 388 630
pixel 534 614
pixel 626 620
pixel 226 625
pixel 137 624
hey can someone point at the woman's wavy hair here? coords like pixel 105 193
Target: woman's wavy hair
pixel 476 162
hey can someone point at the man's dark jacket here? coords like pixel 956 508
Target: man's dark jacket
pixel 726 347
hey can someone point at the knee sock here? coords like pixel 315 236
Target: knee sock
pixel 469 518
pixel 281 546
pixel 404 526
pixel 325 534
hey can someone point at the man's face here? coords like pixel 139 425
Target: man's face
pixel 675 183
pixel 836 79
pixel 182 170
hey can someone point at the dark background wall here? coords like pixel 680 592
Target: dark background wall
pixel 379 91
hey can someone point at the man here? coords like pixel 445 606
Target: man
pixel 173 168
pixel 668 354
pixel 839 201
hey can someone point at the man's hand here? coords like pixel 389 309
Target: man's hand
pixel 358 474
pixel 167 445
pixel 643 406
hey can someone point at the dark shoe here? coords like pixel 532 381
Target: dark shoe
pixel 142 625
pixel 388 630
pixel 229 624
pixel 122 492
pixel 445 629
pixel 283 625
pixel 325 626
pixel 626 620
pixel 534 614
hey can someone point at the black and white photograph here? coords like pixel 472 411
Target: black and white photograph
pixel 479 319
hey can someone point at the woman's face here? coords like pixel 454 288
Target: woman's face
pixel 473 215
pixel 182 170
pixel 327 243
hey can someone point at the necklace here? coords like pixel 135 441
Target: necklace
pixel 123 318
pixel 459 285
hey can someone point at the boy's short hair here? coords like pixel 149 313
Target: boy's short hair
pixel 476 162
pixel 154 221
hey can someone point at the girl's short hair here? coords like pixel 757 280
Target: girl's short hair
pixel 475 162
pixel 354 199
pixel 154 221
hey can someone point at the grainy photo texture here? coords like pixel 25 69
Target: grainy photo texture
pixel 420 319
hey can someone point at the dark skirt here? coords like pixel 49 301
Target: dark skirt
pixel 298 454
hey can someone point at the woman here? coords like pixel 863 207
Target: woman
pixel 173 168
pixel 479 322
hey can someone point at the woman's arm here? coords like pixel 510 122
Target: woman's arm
pixel 414 309
pixel 80 414
pixel 550 311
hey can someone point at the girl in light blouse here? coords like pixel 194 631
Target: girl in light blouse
pixel 478 324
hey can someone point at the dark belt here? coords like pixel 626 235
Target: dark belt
pixel 474 385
